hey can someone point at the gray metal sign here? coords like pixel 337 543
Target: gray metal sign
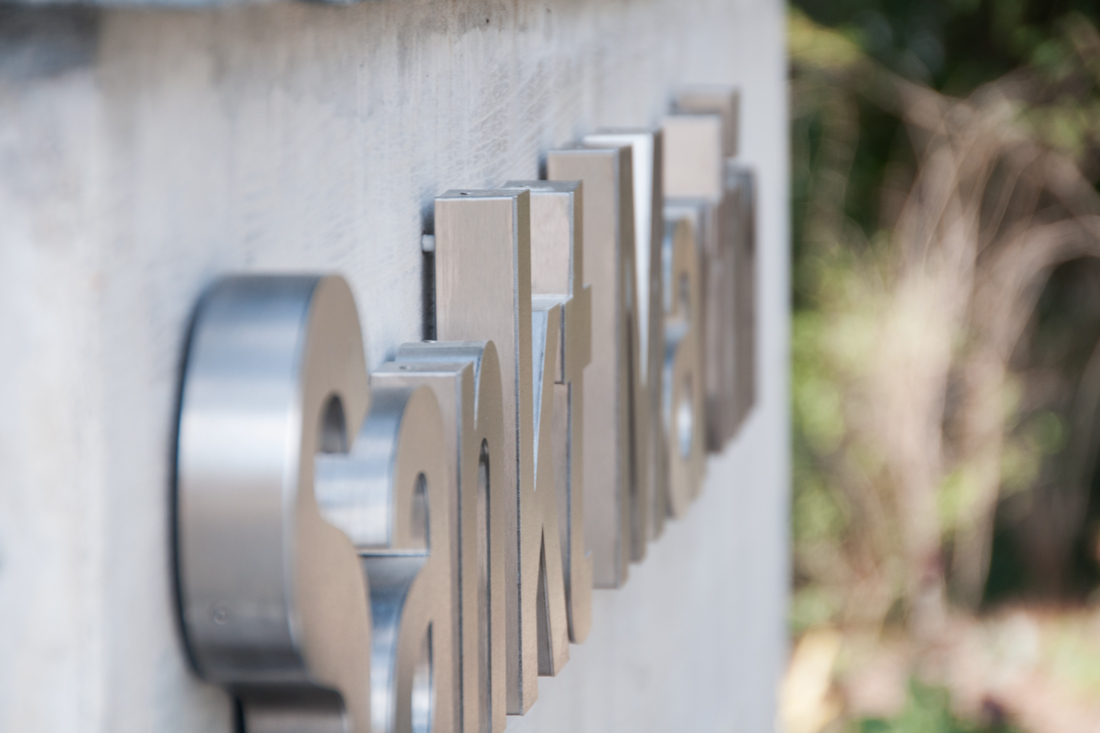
pixel 409 551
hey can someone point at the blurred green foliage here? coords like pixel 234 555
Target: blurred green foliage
pixel 928 710
pixel 955 45
pixel 854 167
pixel 889 99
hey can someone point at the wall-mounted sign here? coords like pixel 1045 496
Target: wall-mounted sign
pixel 410 550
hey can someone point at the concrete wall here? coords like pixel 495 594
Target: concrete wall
pixel 144 152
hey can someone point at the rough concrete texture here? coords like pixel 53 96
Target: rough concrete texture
pixel 144 152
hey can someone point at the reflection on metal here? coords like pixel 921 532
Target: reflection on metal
pixel 682 398
pixel 274 601
pixel 557 268
pixel 614 512
pixel 700 216
pixel 393 495
pixel 650 467
pixel 465 377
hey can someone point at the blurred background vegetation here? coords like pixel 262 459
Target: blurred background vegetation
pixel 946 366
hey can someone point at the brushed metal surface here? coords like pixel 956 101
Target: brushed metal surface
pixel 557 256
pixel 274 602
pixel 695 173
pixel 398 464
pixel 465 377
pixel 694 158
pixel 483 291
pixel 650 468
pixel 541 558
pixel 739 234
pixel 719 99
pixel 614 511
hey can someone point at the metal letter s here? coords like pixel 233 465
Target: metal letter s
pixel 274 602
